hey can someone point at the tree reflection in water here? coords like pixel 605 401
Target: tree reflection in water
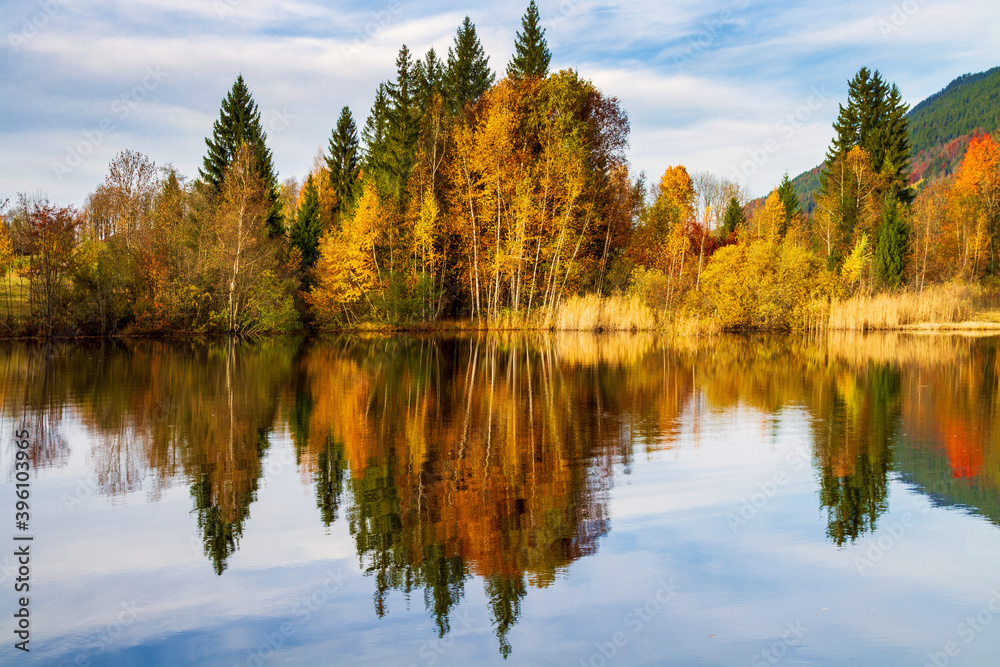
pixel 491 457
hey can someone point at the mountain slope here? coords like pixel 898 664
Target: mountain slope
pixel 940 129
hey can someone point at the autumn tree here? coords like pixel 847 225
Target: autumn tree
pixel 976 201
pixel 6 257
pixel 347 272
pixel 936 245
pixel 771 220
pixel 850 204
pixel 51 234
pixel 531 53
pixel 244 255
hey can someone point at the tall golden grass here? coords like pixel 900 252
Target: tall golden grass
pixel 612 313
pixel 939 304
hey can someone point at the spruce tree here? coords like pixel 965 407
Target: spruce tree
pixel 786 191
pixel 468 72
pixel 892 245
pixel 403 124
pixel 238 124
pixel 531 54
pixel 305 232
pixel 376 137
pixel 343 161
pixel 875 119
pixel 733 218
pixel 428 76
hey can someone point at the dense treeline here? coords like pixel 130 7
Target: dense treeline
pixel 497 202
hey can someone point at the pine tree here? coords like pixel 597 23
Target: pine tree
pixel 238 124
pixel 791 201
pixel 531 54
pixel 468 73
pixel 305 232
pixel 734 217
pixel 892 245
pixel 343 161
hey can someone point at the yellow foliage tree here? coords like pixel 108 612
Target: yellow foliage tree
pixel 763 284
pixel 348 271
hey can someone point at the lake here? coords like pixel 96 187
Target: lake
pixel 519 499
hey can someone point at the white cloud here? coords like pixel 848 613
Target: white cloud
pixel 704 84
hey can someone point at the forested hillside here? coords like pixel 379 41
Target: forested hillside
pixel 941 127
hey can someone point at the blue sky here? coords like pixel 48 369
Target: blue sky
pixel 741 88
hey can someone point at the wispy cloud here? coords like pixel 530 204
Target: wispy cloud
pixel 705 84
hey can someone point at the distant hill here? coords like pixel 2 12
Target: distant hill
pixel 940 129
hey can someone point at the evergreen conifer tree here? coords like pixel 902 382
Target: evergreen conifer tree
pixel 791 202
pixel 376 137
pixel 734 217
pixel 238 124
pixel 892 244
pixel 468 72
pixel 403 124
pixel 305 232
pixel 428 75
pixel 343 161
pixel 875 119
pixel 531 54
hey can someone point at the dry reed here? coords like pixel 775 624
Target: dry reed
pixel 949 303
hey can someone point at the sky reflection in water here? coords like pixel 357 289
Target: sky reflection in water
pixel 568 499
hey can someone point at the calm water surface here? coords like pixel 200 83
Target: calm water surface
pixel 541 499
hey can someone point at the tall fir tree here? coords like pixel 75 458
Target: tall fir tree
pixel 428 75
pixel 786 191
pixel 531 53
pixel 468 73
pixel 376 138
pixel 733 218
pixel 403 126
pixel 892 245
pixel 238 124
pixel 874 119
pixel 305 232
pixel 343 162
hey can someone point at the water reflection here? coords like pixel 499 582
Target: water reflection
pixel 488 460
